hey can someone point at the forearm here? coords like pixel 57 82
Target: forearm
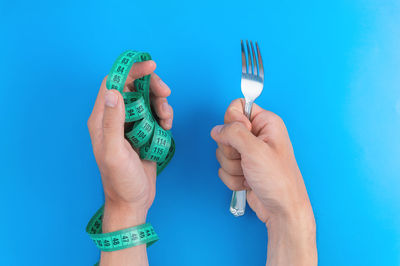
pixel 292 240
pixel 117 217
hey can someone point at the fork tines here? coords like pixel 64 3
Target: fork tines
pixel 250 64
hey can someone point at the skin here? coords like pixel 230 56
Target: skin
pixel 257 155
pixel 128 181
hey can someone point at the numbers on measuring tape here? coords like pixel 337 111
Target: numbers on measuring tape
pixel 120 69
pixel 117 78
pixel 158 150
pixel 161 141
pixel 147 126
pixel 141 134
pixel 134 237
pixel 139 109
pixel 134 140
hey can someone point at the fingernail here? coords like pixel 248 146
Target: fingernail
pixel 168 122
pixel 166 108
pixel 218 128
pixel 162 83
pixel 165 86
pixel 111 99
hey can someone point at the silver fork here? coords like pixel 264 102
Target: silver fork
pixel 252 85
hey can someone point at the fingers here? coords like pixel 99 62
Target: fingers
pixel 97 113
pixel 266 125
pixel 232 167
pixel 99 104
pixel 159 92
pixel 231 181
pixel 235 113
pixel 229 152
pixel 140 69
pixel 113 120
pixel 95 120
pixel 231 172
pixel 237 136
pixel 164 111
pixel 158 88
pixel 269 123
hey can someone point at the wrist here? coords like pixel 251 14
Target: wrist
pixel 292 236
pixel 119 216
pixel 297 224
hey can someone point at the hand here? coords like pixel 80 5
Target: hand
pixel 257 155
pixel 128 181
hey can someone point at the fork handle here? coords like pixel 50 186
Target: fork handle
pixel 238 202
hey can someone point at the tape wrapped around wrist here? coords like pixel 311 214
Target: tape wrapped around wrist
pixel 121 239
pixel 144 133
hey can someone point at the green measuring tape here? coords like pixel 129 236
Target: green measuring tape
pixel 144 133
pixel 125 238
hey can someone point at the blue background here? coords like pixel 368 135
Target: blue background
pixel 332 74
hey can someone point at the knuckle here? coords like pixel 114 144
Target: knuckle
pixel 231 153
pixel 89 123
pixel 107 123
pixel 276 119
pixel 278 123
pixel 220 173
pixel 236 129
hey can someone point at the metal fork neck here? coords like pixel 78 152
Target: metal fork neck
pixel 247 108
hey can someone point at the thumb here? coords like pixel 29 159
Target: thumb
pixel 237 136
pixel 113 119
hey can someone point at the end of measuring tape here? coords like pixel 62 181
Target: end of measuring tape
pixel 144 133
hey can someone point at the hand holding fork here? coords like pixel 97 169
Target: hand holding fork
pixel 252 84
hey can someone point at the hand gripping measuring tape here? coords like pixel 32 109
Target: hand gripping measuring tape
pixel 144 133
pixel 155 143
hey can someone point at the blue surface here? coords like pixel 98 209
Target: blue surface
pixel 332 73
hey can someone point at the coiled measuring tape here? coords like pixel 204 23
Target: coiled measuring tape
pixel 144 133
pixel 142 130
